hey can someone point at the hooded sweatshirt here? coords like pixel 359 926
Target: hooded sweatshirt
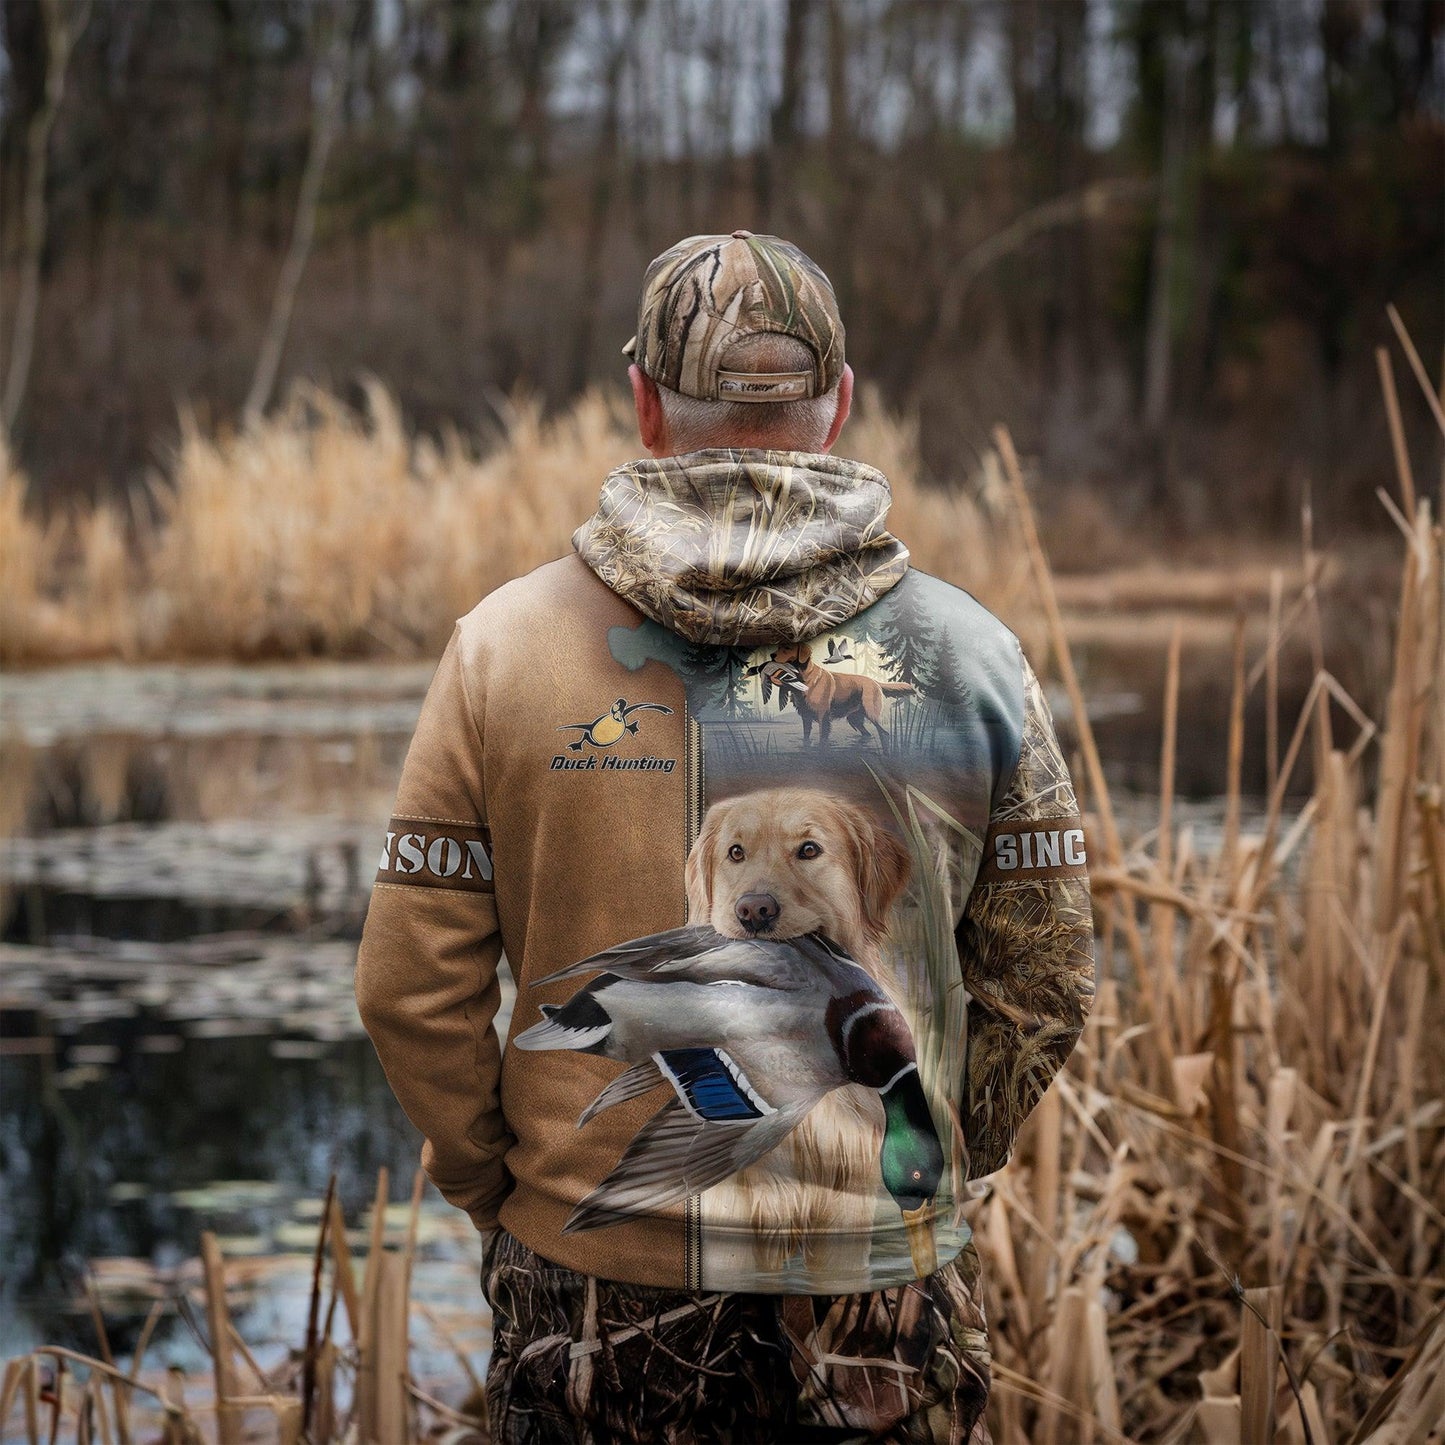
pixel 779 845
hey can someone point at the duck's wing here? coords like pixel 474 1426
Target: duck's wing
pixel 819 951
pixel 676 1154
pixel 638 957
pixel 711 1086
pixel 697 953
pixel 629 1084
pixel 708 1082
pixel 582 1023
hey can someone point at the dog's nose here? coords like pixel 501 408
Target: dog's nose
pixel 757 912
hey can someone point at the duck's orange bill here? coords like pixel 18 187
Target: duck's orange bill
pixel 921 1242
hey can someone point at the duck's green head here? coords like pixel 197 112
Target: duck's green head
pixel 912 1158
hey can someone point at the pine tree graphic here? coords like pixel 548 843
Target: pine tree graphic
pixel 946 683
pixel 909 643
pixel 714 679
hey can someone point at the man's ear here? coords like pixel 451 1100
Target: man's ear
pixel 651 424
pixel 845 405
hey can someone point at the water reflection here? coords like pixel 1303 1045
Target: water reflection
pixel 113 1143
pixel 187 859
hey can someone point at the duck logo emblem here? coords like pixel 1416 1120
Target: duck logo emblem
pixel 612 726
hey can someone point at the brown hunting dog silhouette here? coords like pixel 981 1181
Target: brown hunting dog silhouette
pixel 848 695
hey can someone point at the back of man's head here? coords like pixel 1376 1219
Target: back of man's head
pixel 800 426
pixel 739 344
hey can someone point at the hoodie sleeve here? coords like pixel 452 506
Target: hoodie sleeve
pixel 1026 943
pixel 426 973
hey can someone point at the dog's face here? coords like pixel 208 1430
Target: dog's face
pixel 795 654
pixel 791 861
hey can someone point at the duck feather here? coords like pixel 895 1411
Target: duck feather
pixel 674 1155
pixel 696 952
pixel 631 1083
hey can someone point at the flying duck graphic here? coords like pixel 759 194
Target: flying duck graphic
pixel 750 1034
pixel 612 726
pixel 839 650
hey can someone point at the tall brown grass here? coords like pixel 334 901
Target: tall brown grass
pixel 1226 1221
pixel 324 531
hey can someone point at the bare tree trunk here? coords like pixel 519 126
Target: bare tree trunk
pixel 1159 328
pixel 725 41
pixel 840 128
pixel 589 297
pixel 847 166
pixel 329 90
pixel 783 122
pixel 63 26
pixel 537 32
pixel 680 40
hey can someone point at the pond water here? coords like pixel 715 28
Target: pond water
pixel 185 868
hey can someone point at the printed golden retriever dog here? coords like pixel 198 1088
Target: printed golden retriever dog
pixel 852 696
pixel 778 864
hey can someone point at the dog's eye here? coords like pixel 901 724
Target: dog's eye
pixel 736 853
pixel 810 850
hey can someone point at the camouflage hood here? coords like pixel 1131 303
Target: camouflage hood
pixel 740 548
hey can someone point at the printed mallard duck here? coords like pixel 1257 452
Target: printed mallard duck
pixel 750 1034
pixel 613 725
pixel 778 675
pixel 839 650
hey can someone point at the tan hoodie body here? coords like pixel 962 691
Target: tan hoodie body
pixel 763 728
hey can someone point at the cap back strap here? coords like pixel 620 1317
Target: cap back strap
pixel 764 385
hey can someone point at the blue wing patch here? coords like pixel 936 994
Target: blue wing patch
pixel 711 1086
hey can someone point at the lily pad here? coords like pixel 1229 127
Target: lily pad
pixel 229 1194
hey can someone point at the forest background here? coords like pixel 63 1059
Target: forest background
pixel 1153 237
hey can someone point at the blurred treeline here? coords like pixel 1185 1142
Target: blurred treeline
pixel 1155 237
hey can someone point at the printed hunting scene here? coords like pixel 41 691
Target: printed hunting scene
pixel 974 881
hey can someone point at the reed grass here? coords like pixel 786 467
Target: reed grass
pixel 326 531
pixel 943 854
pixel 1224 1222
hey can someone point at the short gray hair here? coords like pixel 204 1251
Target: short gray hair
pixel 799 426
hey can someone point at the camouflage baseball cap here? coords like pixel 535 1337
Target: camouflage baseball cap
pixel 708 292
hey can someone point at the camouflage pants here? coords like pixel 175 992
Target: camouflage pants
pixel 591 1360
